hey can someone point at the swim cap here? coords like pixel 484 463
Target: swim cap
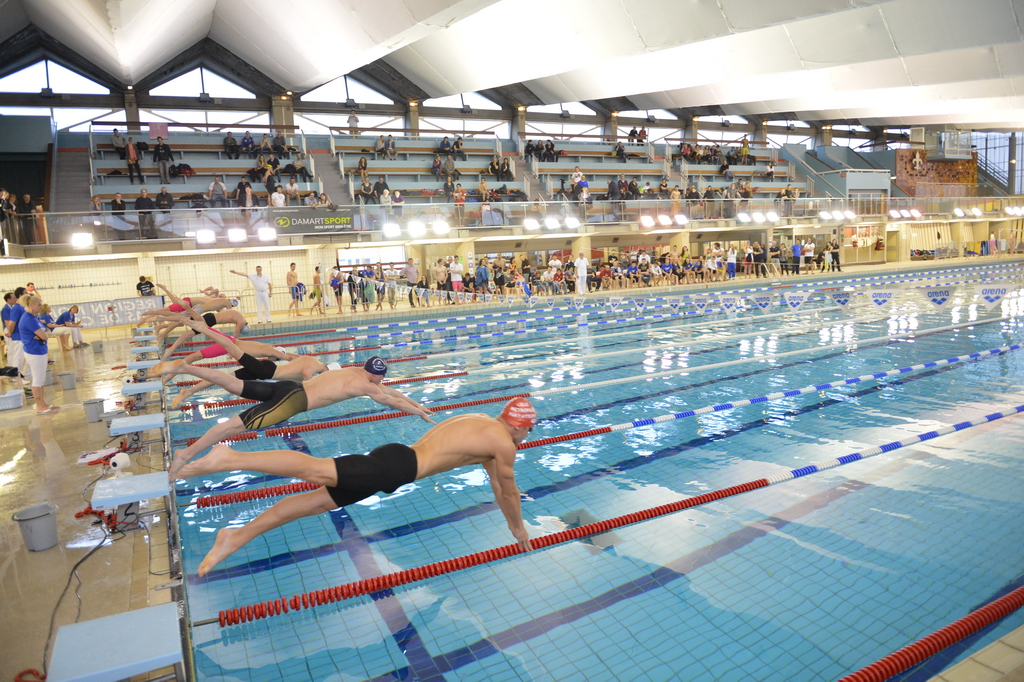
pixel 280 349
pixel 333 365
pixel 235 303
pixel 246 329
pixel 376 365
pixel 519 412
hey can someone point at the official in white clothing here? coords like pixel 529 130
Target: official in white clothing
pixel 581 273
pixel 261 285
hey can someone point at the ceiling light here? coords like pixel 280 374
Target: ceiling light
pixel 681 219
pixel 531 224
pixel 850 215
pixel 551 223
pixel 267 234
pixel 392 230
pixel 190 233
pixel 914 212
pixel 81 240
pixel 959 212
pixel 744 217
pixel 838 215
pixel 237 234
pixel 759 217
pixel 904 213
pixel 772 216
pixel 647 221
pixel 572 223
pixel 417 229
pixel 206 237
pixel 825 215
pixel 441 227
pixel 96 222
pixel 893 213
pixel 664 220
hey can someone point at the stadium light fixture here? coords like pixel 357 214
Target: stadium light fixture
pixel 416 228
pixel 81 240
pixel 551 223
pixel 391 230
pixel 647 221
pixel 267 234
pixel 681 219
pixel 237 234
pixel 665 220
pixel 572 223
pixel 531 224
pixel 441 227
pixel 206 237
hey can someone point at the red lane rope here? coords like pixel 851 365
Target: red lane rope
pixel 306 600
pixel 914 653
pixel 324 352
pixel 256 494
pixel 319 426
pixel 292 343
pixel 244 401
pixel 268 336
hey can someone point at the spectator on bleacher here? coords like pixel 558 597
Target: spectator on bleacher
pixel 300 168
pixel 324 201
pixel 217 193
pixel 483 190
pixel 582 189
pixel 623 186
pixel 362 169
pixel 614 194
pixel 550 153
pixel 663 188
pixel 249 144
pixel 791 196
pixel 435 168
pixel 365 193
pixel 746 194
pixel 674 196
pixel 353 127
pixel 95 205
pixel 163 157
pixel 632 135
pixel 259 170
pixel 384 199
pixel 398 205
pixel 243 182
pixel 457 149
pixel 31 226
pixel 272 168
pixel 449 170
pixel 390 150
pixel 117 209
pixel 378 149
pixel 310 200
pixel 449 189
pixel 164 201
pixel 745 151
pixel 278 198
pixel 132 159
pixel 494 167
pixel 530 150
pixel 633 190
pixel 247 200
pixel 144 205
pixel 769 172
pixel 231 148
pixel 505 171
pixel 641 137
pixel 119 143
pixel 292 192
pixel 712 202
pixel 379 188
pixel 460 205
pixel 620 152
pixel 445 147
pixel 723 170
pixel 265 146
pixel 280 145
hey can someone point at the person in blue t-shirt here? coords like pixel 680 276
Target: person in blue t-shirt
pixel 15 354
pixel 33 339
pixel 67 324
pixel 5 315
pixel 798 254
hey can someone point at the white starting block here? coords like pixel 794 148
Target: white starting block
pixel 113 492
pixel 143 351
pixel 140 389
pixel 154 642
pixel 149 338
pixel 141 368
pixel 134 426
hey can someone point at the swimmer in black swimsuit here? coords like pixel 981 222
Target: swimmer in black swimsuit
pixel 459 441
pixel 284 399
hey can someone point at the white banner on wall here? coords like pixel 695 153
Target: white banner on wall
pixel 94 314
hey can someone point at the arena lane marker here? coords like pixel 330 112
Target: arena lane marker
pixel 262 493
pixel 378 583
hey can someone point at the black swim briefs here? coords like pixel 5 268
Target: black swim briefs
pixel 210 319
pixel 279 400
pixel 255 369
pixel 384 469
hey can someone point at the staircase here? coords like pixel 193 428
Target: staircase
pixel 325 166
pixel 70 189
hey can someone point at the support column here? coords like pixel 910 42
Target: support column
pixel 692 129
pixel 823 138
pixel 611 127
pixel 131 111
pixel 519 128
pixel 581 243
pixel 282 111
pixel 679 241
pixel 412 119
pixel 1011 166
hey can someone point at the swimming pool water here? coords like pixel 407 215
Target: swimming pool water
pixel 809 579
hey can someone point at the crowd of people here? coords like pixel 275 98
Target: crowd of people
pixel 28 325
pixel 22 220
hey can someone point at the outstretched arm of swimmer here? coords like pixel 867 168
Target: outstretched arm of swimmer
pixel 506 493
pixel 399 401
pixel 224 342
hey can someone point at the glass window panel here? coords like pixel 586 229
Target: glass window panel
pixel 472 99
pixel 431 126
pixel 722 119
pixel 795 124
pixel 571 107
pixel 192 83
pixel 334 91
pixel 30 79
pixel 656 113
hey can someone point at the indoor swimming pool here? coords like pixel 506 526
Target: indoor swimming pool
pixel 808 579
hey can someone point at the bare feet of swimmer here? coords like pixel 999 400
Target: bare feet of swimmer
pixel 180 398
pixel 215 461
pixel 169 367
pixel 179 460
pixel 226 544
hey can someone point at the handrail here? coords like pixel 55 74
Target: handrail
pixel 417 131
pixel 136 125
pixel 855 170
pixel 697 140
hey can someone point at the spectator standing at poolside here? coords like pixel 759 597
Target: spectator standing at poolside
pixel 144 206
pixel 33 336
pixel 144 287
pixel 292 282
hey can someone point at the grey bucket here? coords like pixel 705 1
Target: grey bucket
pixel 93 409
pixel 97 346
pixel 49 378
pixel 67 380
pixel 38 526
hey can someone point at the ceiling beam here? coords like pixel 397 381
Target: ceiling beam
pixel 210 54
pixel 387 80
pixel 31 44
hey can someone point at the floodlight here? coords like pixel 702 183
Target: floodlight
pixel 893 213
pixel 772 216
pixel 976 211
pixel 825 215
pixel 904 213
pixel 392 230
pixel 81 240
pixel 664 220
pixel 441 227
pixel 551 223
pixel 206 237
pixel 237 234
pixel 837 215
pixel 416 228
pixel 743 217
pixel 850 215
pixel 647 221
pixel 531 224
pixel 266 234
pixel 681 219
pixel 572 223
pixel 959 212
pixel 759 217
pixel 914 212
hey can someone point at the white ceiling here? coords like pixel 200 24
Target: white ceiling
pixel 893 62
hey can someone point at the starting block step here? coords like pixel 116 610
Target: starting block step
pixel 141 422
pixel 146 349
pixel 112 492
pixel 142 364
pixel 141 387
pixel 144 339
pixel 155 642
